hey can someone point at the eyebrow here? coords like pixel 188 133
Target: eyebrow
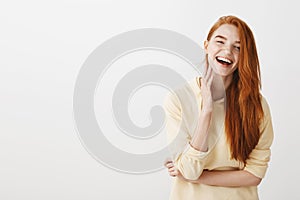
pixel 224 38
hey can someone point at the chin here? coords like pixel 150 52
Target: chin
pixel 222 70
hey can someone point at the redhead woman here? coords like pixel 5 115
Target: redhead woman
pixel 225 154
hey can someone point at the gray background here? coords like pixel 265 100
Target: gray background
pixel 43 45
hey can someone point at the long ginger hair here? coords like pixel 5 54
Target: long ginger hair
pixel 244 110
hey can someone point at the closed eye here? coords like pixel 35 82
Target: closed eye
pixel 237 47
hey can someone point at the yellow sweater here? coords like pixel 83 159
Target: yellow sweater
pixel 182 113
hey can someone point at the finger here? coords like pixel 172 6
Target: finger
pixel 174 173
pixel 170 165
pixel 210 79
pixel 171 169
pixel 206 73
pixel 202 82
pixel 209 73
pixel 208 66
pixel 167 162
pixel 205 70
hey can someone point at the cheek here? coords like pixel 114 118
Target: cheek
pixel 211 50
pixel 236 58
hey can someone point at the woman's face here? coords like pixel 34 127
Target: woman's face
pixel 223 50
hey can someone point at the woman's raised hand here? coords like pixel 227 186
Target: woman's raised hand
pixel 205 84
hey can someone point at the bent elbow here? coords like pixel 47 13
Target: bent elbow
pixel 191 174
pixel 254 180
pixel 257 181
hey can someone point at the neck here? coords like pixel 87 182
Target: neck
pixel 227 80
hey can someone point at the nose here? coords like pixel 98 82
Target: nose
pixel 227 49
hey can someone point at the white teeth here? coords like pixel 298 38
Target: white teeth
pixel 224 59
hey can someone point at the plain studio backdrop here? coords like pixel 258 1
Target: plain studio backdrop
pixel 43 45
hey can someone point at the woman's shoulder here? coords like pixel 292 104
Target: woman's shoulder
pixel 264 102
pixel 185 92
pixel 265 106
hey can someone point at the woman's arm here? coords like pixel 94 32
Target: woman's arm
pixel 199 139
pixel 189 159
pixel 235 178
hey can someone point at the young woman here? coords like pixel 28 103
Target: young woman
pixel 226 154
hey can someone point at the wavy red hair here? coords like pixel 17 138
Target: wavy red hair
pixel 243 104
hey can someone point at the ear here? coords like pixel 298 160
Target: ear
pixel 205 45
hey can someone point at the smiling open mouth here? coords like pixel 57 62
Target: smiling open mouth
pixel 223 60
